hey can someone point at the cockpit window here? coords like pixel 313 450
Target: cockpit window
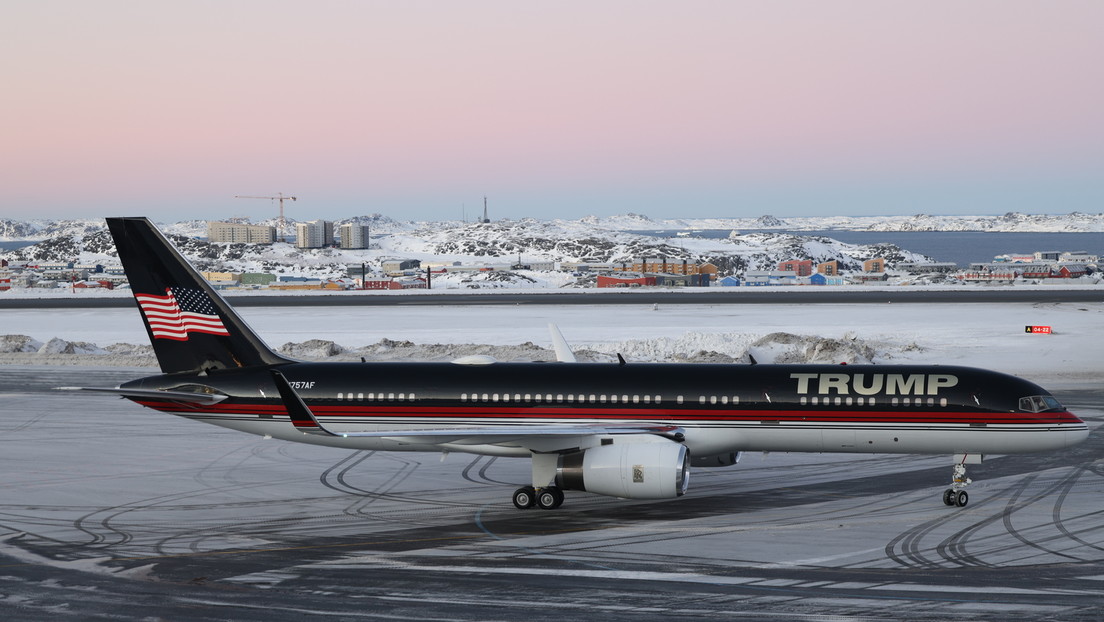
pixel 1039 403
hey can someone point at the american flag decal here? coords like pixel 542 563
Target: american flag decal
pixel 179 312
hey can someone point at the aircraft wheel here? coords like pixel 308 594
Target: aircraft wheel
pixel 962 499
pixel 550 498
pixel 948 497
pixel 525 498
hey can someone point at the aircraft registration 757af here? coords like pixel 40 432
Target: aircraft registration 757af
pixel 625 430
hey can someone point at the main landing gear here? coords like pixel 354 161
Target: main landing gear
pixel 956 495
pixel 548 498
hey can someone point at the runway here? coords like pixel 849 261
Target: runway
pixel 109 509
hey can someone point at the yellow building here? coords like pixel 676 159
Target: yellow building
pixel 221 277
pixel 670 266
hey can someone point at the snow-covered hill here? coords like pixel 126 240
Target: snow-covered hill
pixel 498 242
pixel 14 230
pixel 1012 222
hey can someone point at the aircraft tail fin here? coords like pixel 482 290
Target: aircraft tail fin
pixel 191 327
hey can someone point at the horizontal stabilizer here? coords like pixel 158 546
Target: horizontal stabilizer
pixel 174 396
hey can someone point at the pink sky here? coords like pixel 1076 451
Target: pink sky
pixel 413 109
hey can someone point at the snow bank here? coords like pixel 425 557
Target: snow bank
pixel 24 350
pixel 694 347
pixel 18 343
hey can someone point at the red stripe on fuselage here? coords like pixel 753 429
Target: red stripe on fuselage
pixel 646 414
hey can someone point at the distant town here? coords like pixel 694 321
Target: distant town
pixel 402 273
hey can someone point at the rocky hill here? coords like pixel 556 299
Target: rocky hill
pixel 507 241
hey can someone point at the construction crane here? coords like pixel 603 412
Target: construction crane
pixel 279 197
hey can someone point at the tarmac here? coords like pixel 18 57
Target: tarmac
pixel 112 511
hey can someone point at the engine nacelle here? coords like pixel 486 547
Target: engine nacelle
pixel 657 469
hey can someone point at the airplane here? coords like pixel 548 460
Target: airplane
pixel 618 429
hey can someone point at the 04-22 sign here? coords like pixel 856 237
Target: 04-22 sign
pixel 1044 330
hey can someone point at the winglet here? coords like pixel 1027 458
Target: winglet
pixel 301 416
pixel 559 344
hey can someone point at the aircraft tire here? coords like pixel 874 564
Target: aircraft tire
pixel 525 498
pixel 962 499
pixel 550 498
pixel 949 497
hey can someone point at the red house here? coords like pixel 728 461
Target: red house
pixel 625 281
pixel 802 268
pixel 382 284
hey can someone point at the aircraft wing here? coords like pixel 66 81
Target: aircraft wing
pixel 305 421
pixel 175 396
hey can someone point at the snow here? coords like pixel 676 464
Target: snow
pixel 983 335
pixel 1011 222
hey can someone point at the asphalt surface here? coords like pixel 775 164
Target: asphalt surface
pixel 747 295
pixel 111 511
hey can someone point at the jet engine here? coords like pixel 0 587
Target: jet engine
pixel 652 469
